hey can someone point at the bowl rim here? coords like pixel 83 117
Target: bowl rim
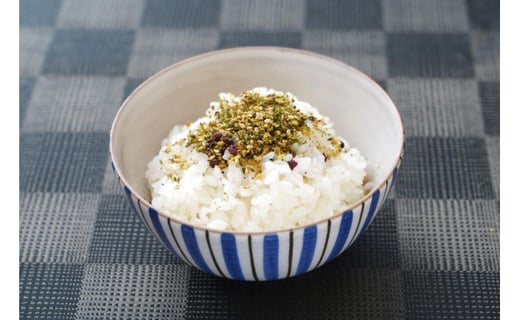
pixel 312 54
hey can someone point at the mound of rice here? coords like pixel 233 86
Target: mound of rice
pixel 205 182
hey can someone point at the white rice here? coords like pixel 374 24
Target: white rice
pixel 281 198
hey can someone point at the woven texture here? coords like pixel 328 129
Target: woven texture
pixel 431 253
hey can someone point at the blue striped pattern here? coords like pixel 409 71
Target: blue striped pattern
pixel 188 234
pixel 271 263
pixel 159 230
pixel 394 175
pixel 174 236
pixel 371 210
pixel 129 196
pixel 308 248
pixel 229 251
pixel 271 257
pixel 134 208
pixel 344 231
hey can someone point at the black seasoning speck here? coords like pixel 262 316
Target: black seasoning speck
pixel 217 135
pixel 213 162
pixel 227 141
pixel 292 163
pixel 232 149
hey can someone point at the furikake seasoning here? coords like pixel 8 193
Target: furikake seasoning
pixel 252 127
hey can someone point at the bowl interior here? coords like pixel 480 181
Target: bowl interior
pixel 361 111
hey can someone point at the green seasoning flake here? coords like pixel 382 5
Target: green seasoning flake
pixel 250 129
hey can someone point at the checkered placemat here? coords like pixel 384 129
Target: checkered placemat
pixel 431 253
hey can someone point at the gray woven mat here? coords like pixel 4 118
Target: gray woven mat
pixel 433 251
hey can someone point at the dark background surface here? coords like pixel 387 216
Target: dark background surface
pixel 431 253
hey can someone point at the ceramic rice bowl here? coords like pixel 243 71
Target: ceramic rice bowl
pixel 362 113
